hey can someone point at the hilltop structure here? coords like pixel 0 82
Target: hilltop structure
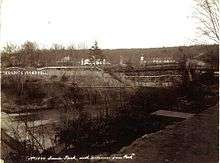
pixel 157 60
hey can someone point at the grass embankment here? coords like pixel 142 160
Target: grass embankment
pixel 194 140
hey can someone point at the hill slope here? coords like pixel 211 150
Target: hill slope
pixel 194 140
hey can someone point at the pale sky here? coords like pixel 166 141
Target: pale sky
pixel 113 23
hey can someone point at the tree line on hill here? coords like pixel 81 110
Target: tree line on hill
pixel 30 55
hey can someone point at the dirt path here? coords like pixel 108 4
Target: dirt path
pixel 192 141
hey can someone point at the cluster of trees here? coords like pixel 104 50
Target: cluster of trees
pixel 30 55
pixel 13 55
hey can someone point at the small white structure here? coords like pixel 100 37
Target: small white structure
pixel 65 59
pixel 142 61
pixel 86 62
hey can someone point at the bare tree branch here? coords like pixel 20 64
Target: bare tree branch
pixel 208 16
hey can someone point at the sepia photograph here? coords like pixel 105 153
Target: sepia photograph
pixel 109 81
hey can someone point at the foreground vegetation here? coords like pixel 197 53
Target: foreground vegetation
pixel 113 126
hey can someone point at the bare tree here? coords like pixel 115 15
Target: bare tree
pixel 57 47
pixel 71 47
pixel 29 46
pixel 207 13
pixel 7 57
pixel 10 48
pixel 29 52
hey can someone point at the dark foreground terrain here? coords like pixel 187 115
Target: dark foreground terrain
pixel 194 140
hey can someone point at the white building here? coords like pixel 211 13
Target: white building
pixel 87 62
pixel 65 59
pixel 158 60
